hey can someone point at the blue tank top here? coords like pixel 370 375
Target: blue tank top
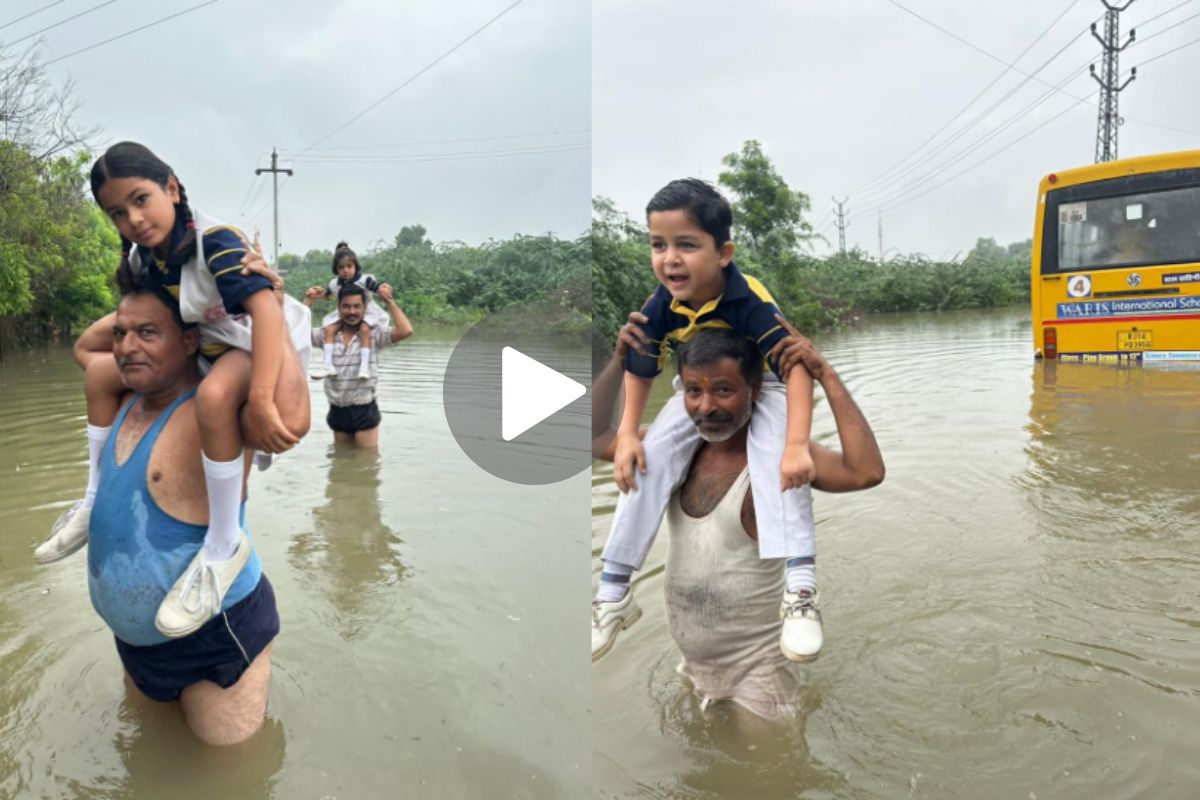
pixel 136 551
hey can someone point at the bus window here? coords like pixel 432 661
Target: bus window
pixel 1134 230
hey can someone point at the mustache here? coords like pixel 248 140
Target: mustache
pixel 712 417
pixel 126 361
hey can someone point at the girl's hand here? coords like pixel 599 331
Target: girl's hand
pixel 632 336
pixel 314 293
pixel 263 428
pixel 254 264
pixel 630 459
pixel 385 291
pixel 796 467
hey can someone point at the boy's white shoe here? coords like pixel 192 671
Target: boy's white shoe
pixel 364 373
pixel 68 534
pixel 197 596
pixel 609 619
pixel 801 637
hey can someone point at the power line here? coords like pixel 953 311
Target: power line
pixel 415 157
pixel 1163 55
pixel 1162 14
pixel 425 69
pixel 1005 71
pixel 985 159
pixel 939 149
pixel 575 132
pixel 31 13
pixel 888 204
pixel 997 58
pixel 130 32
pixel 62 22
pixel 884 201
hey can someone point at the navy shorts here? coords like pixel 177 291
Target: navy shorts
pixel 219 652
pixel 352 419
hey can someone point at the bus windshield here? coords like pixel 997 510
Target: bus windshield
pixel 1151 228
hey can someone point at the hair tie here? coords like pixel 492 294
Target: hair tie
pixel 190 225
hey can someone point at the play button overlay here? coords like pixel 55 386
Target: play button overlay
pixel 530 391
pixel 515 395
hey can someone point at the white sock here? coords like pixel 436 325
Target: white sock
pixel 96 437
pixel 614 582
pixel 800 578
pixel 328 355
pixel 223 479
pixel 365 364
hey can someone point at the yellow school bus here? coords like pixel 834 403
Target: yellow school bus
pixel 1116 262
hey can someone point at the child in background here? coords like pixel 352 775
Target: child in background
pixel 691 253
pixel 197 260
pixel 346 270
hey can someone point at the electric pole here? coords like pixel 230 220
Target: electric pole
pixel 881 237
pixel 1107 118
pixel 274 170
pixel 842 224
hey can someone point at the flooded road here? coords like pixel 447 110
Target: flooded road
pixel 1013 613
pixel 432 640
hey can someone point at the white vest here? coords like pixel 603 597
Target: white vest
pixel 200 301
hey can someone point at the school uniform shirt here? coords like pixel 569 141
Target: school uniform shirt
pixel 745 307
pixel 223 247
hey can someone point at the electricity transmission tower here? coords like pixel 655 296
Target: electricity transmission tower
pixel 1107 118
pixel 841 223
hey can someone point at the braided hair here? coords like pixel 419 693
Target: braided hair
pixel 133 160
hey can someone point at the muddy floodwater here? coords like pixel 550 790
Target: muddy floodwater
pixel 1014 613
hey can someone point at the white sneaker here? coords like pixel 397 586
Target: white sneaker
pixel 197 596
pixel 322 372
pixel 364 373
pixel 801 637
pixel 609 619
pixel 68 534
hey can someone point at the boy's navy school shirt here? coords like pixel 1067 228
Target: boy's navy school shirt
pixel 745 307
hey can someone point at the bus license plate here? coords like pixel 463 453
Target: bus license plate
pixel 1134 340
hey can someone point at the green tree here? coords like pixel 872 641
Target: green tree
pixel 767 212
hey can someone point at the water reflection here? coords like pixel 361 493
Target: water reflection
pixel 351 555
pixel 157 749
pixel 1103 448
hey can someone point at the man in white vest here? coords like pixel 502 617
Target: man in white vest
pixel 722 600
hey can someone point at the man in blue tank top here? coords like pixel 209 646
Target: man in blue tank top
pixel 148 522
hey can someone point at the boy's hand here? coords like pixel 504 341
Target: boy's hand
pixel 632 336
pixel 796 468
pixel 630 459
pixel 263 428
pixel 796 350
pixel 314 292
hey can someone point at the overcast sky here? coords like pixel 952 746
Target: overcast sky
pixel 213 90
pixel 838 93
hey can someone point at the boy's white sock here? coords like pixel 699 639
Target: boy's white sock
pixel 223 479
pixel 801 574
pixel 96 437
pixel 328 355
pixel 614 582
pixel 365 363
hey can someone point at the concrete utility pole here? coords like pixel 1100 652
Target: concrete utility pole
pixel 880 237
pixel 275 177
pixel 1107 118
pixel 842 224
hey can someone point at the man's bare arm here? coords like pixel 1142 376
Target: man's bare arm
pixel 401 327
